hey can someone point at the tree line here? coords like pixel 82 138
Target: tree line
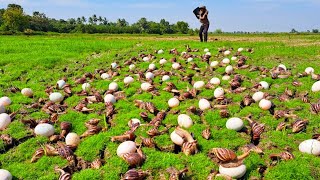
pixel 13 19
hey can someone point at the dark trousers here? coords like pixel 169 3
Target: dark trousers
pixel 204 32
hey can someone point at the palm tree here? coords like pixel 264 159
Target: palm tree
pixel 84 20
pixel 90 20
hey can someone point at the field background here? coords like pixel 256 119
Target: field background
pixel 38 61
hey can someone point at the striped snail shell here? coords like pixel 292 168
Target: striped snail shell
pixel 315 108
pixel 224 155
pixel 148 142
pixel 281 126
pixel 283 155
pixel 206 133
pixel 189 148
pixel 299 125
pixel 134 174
pixel 63 175
pixel 134 159
pixel 257 130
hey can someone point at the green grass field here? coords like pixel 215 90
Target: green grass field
pixel 40 61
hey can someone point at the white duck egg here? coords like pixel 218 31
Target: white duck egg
pixel 110 98
pixel 61 83
pixel 215 81
pixel 56 97
pixel 5 120
pixel 184 121
pixel 204 104
pixel 44 129
pixel 165 78
pixel 310 146
pixel 198 85
pixel 173 102
pixel 113 86
pixel 235 124
pixel 257 96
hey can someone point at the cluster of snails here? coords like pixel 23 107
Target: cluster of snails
pixel 183 140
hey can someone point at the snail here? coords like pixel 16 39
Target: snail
pixel 309 70
pixel 315 108
pixel 176 174
pixel 148 142
pixel 135 158
pixel 63 175
pixel 134 174
pixel 229 163
pixel 299 125
pixel 256 130
pixel 96 164
pixel 183 138
pixel 206 134
pixel 47 150
pixel 286 155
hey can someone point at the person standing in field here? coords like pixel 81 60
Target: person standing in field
pixel 203 17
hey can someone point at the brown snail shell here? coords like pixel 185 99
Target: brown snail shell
pixel 299 125
pixel 206 133
pixel 315 108
pixel 283 156
pixel 190 148
pixel 148 142
pixel 224 155
pixel 256 131
pixel 224 113
pixel 125 137
pixel 63 175
pixel 176 174
pixel 134 159
pixel 64 150
pixel 65 128
pixel 96 164
pixel 134 174
pixel 281 126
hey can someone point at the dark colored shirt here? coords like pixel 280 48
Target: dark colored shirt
pixel 204 18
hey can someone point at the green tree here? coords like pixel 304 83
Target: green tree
pixel 293 31
pixel 94 19
pixel 90 20
pixel 218 31
pixel 39 22
pixel 1 14
pixel 182 27
pixel 315 30
pixel 83 19
pixel 14 18
pixel 165 27
pixel 122 23
pixel 143 24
